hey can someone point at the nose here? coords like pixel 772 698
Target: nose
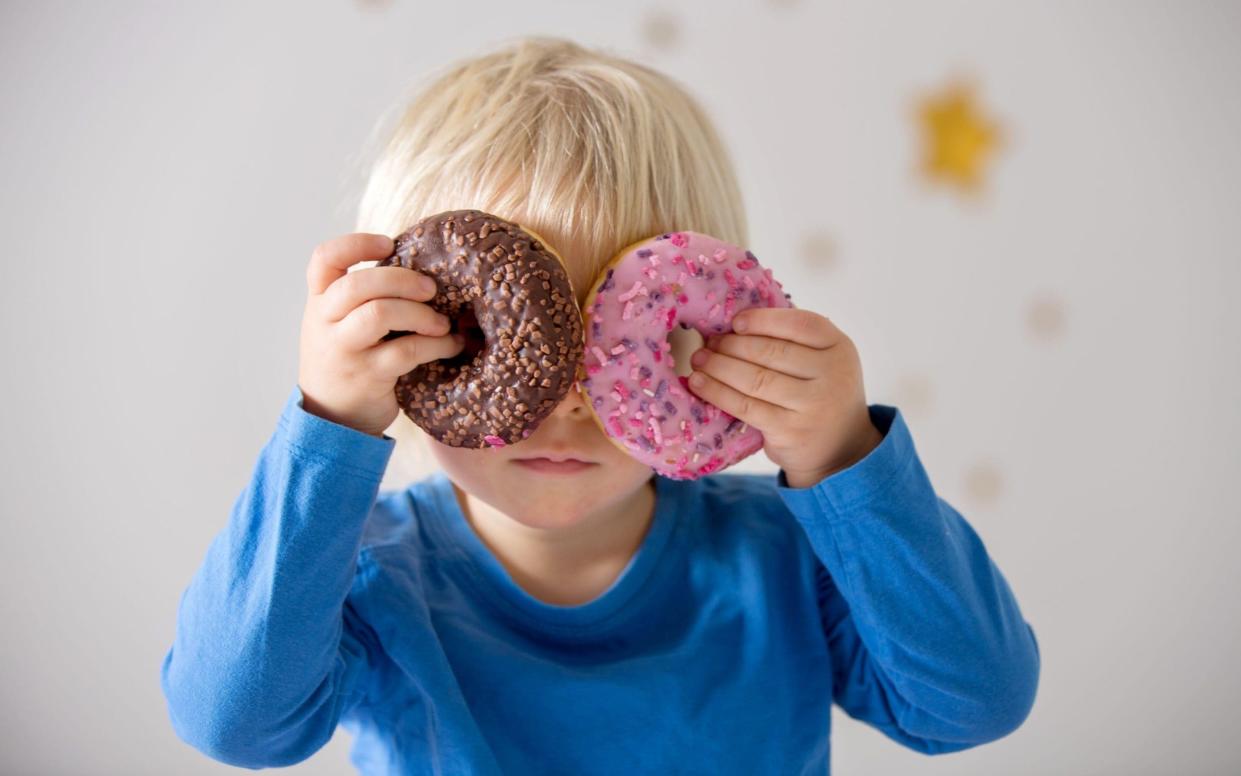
pixel 574 402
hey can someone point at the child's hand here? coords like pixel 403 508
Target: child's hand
pixel 346 374
pixel 797 378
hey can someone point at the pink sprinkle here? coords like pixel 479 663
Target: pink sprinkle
pixel 682 299
pixel 747 263
pixel 615 427
pixel 658 356
pixel 650 272
pixel 682 277
pixel 732 280
pixel 493 440
pixel 618 350
pixel 638 288
pixel 680 240
pixel 677 258
pixel 628 313
pixel 635 423
pixel 693 268
pixel 594 369
pixel 599 354
pixel 670 318
pixel 659 437
pixel 633 373
pixel 654 259
pixel 748 281
pixel 714 311
pixel 703 260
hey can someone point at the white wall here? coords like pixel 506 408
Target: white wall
pixel 167 168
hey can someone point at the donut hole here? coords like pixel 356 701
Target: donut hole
pixel 465 322
pixel 685 341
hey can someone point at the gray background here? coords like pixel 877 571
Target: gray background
pixel 1064 346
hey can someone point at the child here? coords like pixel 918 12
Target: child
pixel 500 618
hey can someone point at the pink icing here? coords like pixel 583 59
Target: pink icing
pixel 687 278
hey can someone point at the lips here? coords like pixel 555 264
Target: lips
pixel 555 457
pixel 548 465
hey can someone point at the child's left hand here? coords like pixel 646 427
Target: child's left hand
pixel 797 378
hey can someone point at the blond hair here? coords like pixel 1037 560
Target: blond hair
pixel 589 150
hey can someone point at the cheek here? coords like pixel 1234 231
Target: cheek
pixel 468 467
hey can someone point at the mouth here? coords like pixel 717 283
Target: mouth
pixel 554 465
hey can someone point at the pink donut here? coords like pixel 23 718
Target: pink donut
pixel 628 372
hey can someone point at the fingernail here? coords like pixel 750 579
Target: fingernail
pixel 698 358
pixel 696 379
pixel 428 285
pixel 739 324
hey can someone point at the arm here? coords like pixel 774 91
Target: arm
pixel 926 639
pixel 267 654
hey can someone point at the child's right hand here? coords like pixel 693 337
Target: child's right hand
pixel 346 374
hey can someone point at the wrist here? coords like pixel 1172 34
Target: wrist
pixel 870 438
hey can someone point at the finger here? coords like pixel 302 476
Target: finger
pixel 781 355
pixel 369 322
pixel 402 355
pixel 330 260
pixel 751 379
pixel 362 285
pixel 790 323
pixel 756 412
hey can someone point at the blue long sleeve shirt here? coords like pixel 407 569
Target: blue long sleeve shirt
pixel 748 609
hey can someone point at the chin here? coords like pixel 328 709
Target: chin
pixel 553 505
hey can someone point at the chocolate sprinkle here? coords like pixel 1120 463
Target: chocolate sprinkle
pixel 497 277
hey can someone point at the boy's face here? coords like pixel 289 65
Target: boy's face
pixel 541 498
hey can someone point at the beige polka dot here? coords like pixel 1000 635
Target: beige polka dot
pixel 373 5
pixel 818 250
pixel 661 30
pixel 983 483
pixel 1045 317
pixel 914 395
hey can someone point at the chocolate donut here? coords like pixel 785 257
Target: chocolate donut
pixel 508 292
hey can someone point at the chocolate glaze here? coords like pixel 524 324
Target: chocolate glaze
pixel 511 296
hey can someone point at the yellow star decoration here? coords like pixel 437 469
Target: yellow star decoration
pixel 958 139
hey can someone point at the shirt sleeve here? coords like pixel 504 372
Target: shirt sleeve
pixel 267 653
pixel 926 639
